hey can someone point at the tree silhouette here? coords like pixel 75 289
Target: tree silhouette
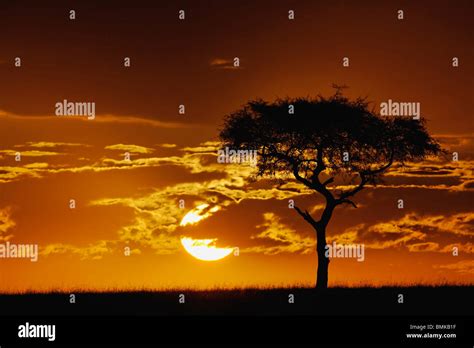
pixel 322 142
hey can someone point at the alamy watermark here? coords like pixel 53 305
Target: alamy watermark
pixel 393 108
pixel 19 251
pixel 28 330
pixel 227 155
pixel 66 108
pixel 345 251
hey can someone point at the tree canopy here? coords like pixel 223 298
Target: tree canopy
pixel 335 135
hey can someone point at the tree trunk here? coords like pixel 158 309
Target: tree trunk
pixel 320 227
pixel 323 261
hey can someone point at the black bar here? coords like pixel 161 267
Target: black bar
pixel 289 330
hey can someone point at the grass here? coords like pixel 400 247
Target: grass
pixel 418 300
pixel 224 288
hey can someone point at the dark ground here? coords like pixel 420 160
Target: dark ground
pixel 422 300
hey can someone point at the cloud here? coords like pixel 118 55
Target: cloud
pixel 457 142
pixel 467 248
pixel 36 165
pixel 130 148
pixel 201 212
pixel 203 159
pixel 415 233
pixel 140 120
pixel 8 174
pixel 103 118
pixel 49 144
pixel 428 246
pixel 206 147
pixel 158 215
pixel 201 149
pixel 6 223
pixel 434 167
pixel 286 238
pixel 30 153
pixel 192 162
pixel 465 266
pixel 167 146
pixel 467 185
pixel 317 207
pixel 94 251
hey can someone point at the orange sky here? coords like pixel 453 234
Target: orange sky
pixel 135 202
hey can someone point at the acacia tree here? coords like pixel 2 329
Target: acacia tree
pixel 324 143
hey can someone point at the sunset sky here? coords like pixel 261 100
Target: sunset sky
pixel 135 203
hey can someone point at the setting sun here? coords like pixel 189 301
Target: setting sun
pixel 202 249
pixel 197 214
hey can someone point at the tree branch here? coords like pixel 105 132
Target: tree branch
pixel 306 216
pixel 365 175
pixel 328 181
pixel 300 178
pixel 320 166
pixel 347 201
pixel 314 183
pixel 350 193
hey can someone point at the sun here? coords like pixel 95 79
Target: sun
pixel 197 214
pixel 204 249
